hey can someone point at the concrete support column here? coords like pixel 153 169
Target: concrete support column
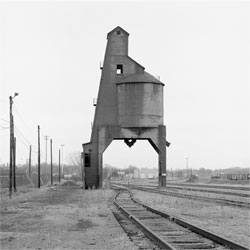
pixel 162 156
pixel 100 170
pixel 92 171
pixel 104 140
pixel 83 168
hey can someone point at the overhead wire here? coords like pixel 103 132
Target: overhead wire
pixel 21 118
pixel 27 145
pixel 4 123
pixel 20 136
pixel 29 128
pixel 4 120
pixel 21 140
pixel 2 128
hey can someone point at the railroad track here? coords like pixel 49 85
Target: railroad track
pixel 206 189
pixel 169 232
pixel 210 191
pixel 191 196
pixel 247 188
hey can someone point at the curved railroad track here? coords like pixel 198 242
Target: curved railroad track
pixel 169 232
pixel 223 201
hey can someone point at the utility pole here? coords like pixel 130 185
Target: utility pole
pixel 51 164
pixel 30 162
pixel 62 145
pixel 38 156
pixel 11 143
pixel 14 164
pixel 59 170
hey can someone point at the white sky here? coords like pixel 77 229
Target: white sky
pixel 50 54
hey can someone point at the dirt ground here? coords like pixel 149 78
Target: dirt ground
pixel 61 217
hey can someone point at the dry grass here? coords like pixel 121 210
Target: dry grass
pixel 61 218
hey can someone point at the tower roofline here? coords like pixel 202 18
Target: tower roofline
pixel 117 28
pixel 144 77
pixel 136 62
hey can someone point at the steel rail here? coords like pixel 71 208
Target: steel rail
pixel 210 186
pixel 194 188
pixel 207 234
pixel 150 234
pixel 220 186
pixel 189 188
pixel 195 197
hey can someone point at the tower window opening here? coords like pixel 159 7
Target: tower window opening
pixel 94 101
pixel 87 160
pixel 118 32
pixel 119 69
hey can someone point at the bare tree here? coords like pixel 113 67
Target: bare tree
pixel 75 160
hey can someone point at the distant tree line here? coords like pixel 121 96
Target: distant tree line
pixel 73 167
pixel 115 172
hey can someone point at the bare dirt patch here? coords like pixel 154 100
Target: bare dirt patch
pixel 61 217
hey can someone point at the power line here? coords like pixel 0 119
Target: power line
pixel 27 146
pixel 27 142
pixel 2 128
pixel 33 131
pixel 22 141
pixel 25 124
pixel 21 134
pixel 4 120
pixel 21 118
pixel 4 124
pixel 28 127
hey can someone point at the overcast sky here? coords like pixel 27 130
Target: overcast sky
pixel 50 54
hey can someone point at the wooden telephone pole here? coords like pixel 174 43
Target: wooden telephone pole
pixel 14 165
pixel 11 143
pixel 12 146
pixel 51 164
